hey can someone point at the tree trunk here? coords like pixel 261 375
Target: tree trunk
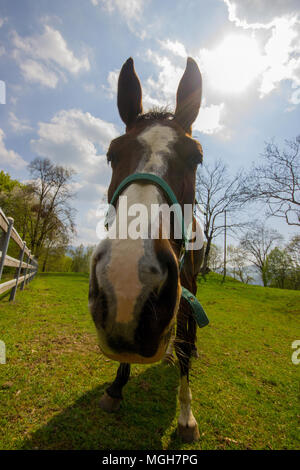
pixel 206 255
pixel 45 260
pixel 264 276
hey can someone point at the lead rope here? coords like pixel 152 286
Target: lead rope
pixel 198 311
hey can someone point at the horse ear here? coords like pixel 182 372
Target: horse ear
pixel 129 94
pixel 189 94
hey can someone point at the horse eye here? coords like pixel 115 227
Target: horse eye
pixel 109 156
pixel 196 158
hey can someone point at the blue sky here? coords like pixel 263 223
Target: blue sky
pixel 60 63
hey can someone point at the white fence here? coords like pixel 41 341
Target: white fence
pixel 26 266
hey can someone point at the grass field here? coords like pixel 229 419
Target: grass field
pixel 245 386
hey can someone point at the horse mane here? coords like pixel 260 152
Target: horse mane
pixel 156 114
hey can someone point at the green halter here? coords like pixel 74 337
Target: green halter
pixel 197 309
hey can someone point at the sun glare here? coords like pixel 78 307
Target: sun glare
pixel 233 64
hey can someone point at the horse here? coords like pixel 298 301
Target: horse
pixel 136 284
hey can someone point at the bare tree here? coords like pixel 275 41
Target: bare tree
pixel 277 181
pixel 216 193
pixel 257 244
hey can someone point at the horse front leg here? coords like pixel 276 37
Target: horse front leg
pixel 112 397
pixel 187 424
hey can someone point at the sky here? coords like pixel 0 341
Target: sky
pixel 60 63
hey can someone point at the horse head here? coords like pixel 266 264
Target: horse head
pixel 135 286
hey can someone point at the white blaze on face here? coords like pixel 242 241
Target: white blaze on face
pixel 158 140
pixel 123 274
pixel 123 270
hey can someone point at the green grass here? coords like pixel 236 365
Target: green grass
pixel 245 386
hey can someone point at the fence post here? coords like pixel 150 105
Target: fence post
pixel 36 267
pixel 31 271
pixel 14 289
pixel 5 243
pixel 26 269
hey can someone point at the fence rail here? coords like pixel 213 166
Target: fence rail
pixel 26 261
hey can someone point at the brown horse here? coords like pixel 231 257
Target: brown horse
pixel 135 284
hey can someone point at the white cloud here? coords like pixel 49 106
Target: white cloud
pixel 280 59
pixel 233 64
pixel 112 89
pixel 112 80
pixel 45 57
pixel 208 120
pixel 2 50
pixel 2 21
pixel 36 72
pixel 129 10
pixel 86 235
pixel 175 47
pixel 159 90
pixel 164 86
pixel 295 98
pixel 79 140
pixel 9 157
pixel 258 14
pixel 74 138
pixel 19 125
pixel 89 87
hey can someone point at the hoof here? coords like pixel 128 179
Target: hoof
pixel 109 404
pixel 188 433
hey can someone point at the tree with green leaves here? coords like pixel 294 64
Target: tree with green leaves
pixel 237 258
pixel 215 258
pixel 81 258
pixel 278 268
pixel 51 189
pixel 41 208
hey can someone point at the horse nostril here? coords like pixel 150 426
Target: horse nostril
pixel 158 289
pixel 154 270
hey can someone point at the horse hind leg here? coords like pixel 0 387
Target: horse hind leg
pixel 192 334
pixel 112 397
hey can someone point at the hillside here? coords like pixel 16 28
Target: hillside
pixel 245 387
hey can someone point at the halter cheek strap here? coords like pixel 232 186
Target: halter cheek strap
pixel 197 309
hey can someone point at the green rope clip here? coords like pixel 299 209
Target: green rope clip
pixel 197 309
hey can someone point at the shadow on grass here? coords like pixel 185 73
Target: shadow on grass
pixel 147 411
pixel 5 296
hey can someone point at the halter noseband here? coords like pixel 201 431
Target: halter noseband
pixel 197 309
